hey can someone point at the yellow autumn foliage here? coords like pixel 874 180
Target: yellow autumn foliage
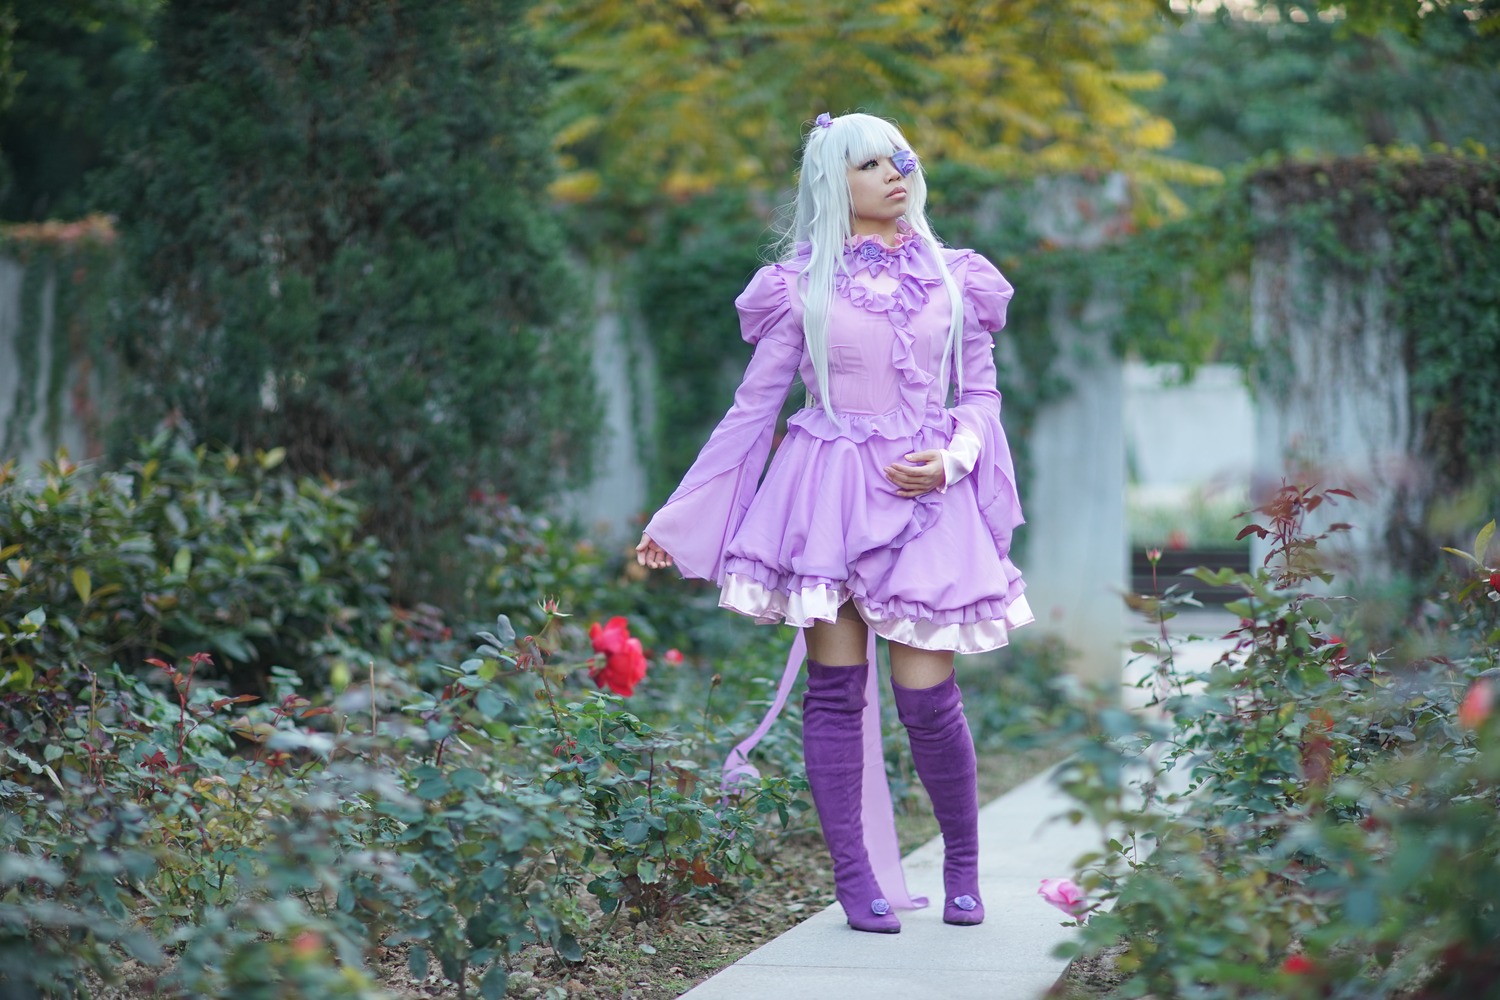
pixel 676 96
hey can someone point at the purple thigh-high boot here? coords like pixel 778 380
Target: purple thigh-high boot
pixel 833 747
pixel 943 751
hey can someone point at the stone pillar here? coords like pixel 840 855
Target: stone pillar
pixel 1333 404
pixel 35 420
pixel 623 374
pixel 1076 555
pixel 1075 545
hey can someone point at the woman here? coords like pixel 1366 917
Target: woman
pixel 885 511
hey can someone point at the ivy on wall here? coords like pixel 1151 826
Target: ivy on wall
pixel 1432 222
pixel 62 362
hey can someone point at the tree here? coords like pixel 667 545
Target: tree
pixel 72 59
pixel 677 96
pixel 332 211
pixel 1284 80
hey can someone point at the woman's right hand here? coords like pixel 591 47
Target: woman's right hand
pixel 651 555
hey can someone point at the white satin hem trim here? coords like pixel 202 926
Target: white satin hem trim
pixel 821 603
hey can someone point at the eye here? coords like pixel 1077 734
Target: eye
pixel 869 165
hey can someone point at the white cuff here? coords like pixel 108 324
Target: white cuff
pixel 959 458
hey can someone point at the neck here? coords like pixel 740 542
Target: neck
pixel 887 230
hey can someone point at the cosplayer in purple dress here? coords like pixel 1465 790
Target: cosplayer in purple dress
pixel 884 512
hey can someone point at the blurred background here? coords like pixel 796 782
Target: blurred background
pixel 462 253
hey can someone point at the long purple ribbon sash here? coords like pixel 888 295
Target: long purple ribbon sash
pixel 877 814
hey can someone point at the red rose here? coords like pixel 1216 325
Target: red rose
pixel 624 660
pixel 1298 965
pixel 673 656
pixel 1495 582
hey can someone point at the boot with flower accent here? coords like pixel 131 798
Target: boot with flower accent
pixel 832 746
pixel 943 751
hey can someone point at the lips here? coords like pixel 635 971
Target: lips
pixel 898 193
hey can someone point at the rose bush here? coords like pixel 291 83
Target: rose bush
pixel 1312 817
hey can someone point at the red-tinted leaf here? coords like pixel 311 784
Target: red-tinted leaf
pixel 163 664
pixel 1249 529
pixel 320 710
pixel 1344 493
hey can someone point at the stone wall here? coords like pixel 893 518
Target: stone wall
pixel 38 400
pixel 1333 404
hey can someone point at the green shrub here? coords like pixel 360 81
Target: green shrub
pixel 249 848
pixel 334 222
pixel 1321 821
pixel 186 549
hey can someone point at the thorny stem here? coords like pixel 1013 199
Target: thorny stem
pixel 709 701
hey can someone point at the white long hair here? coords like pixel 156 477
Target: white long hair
pixel 823 218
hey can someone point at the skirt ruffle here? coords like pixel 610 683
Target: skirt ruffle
pixel 826 527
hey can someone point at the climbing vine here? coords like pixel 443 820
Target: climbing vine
pixel 56 336
pixel 1431 224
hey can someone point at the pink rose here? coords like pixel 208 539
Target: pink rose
pixel 1477 705
pixel 1064 894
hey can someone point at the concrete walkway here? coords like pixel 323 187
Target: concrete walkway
pixel 1023 839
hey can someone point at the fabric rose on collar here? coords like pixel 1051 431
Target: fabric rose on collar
pixel 905 161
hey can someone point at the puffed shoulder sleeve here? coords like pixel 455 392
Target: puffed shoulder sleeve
pixel 770 307
pixel 986 294
pixel 703 513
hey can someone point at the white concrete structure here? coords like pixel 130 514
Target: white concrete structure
pixel 34 421
pixel 1334 402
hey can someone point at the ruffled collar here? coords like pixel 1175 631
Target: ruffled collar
pixel 873 254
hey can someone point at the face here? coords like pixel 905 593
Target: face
pixel 877 193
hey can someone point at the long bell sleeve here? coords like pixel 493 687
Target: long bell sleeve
pixel 703 513
pixel 986 295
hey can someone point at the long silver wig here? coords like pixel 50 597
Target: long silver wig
pixel 823 218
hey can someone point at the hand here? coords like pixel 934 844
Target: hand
pixel 651 555
pixel 914 480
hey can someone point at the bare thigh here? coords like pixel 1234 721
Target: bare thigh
pixel 843 643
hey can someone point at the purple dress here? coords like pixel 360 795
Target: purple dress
pixel 825 525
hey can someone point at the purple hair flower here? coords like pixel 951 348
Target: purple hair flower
pixel 905 161
pixel 823 121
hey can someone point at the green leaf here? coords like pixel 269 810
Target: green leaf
pixel 83 583
pixel 432 789
pixel 1482 542
pixel 490 702
pixel 567 946
pixel 492 986
pixel 648 872
pixel 416 963
pixel 182 561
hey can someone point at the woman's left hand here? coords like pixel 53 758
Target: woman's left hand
pixel 914 480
